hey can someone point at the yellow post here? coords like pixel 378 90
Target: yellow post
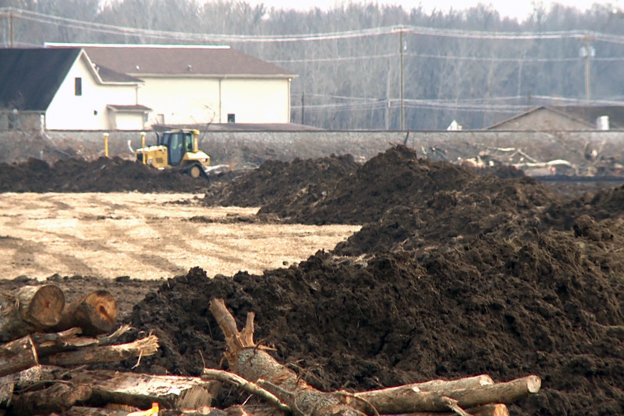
pixel 106 144
pixel 195 138
pixel 143 146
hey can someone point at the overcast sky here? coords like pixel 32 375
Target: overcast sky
pixel 513 8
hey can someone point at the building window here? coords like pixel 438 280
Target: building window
pixel 231 118
pixel 77 86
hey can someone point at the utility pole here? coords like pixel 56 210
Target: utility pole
pixel 587 78
pixel 402 81
pixel 387 113
pixel 10 21
pixel 303 108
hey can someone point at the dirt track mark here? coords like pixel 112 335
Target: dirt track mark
pixel 144 236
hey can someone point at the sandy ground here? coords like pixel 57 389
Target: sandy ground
pixel 144 236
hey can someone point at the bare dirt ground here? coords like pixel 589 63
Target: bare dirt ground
pixel 145 236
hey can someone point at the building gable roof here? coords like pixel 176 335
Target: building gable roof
pixel 29 78
pixel 508 122
pixel 592 113
pixel 181 60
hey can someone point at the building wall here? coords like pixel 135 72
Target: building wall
pixel 204 100
pixel 180 101
pixel 256 101
pixel 542 120
pixel 126 121
pixel 88 111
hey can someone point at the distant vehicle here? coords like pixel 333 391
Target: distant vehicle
pixel 177 149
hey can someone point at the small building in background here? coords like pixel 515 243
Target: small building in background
pixel 565 118
pixel 543 119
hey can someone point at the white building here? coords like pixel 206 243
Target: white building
pixel 200 84
pixel 132 87
pixel 61 89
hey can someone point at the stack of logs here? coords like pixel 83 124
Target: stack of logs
pixel 47 346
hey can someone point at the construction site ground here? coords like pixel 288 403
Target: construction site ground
pixel 145 236
pixel 429 270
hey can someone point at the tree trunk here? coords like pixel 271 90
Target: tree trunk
pixel 121 388
pixel 485 410
pixel 17 355
pixel 255 365
pixel 111 353
pixel 467 392
pixel 95 314
pixel 506 393
pixel 30 309
pixel 141 390
pixel 58 398
pixel 66 349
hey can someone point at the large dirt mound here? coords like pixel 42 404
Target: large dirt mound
pixel 604 204
pixel 101 175
pixel 276 182
pixel 399 180
pixel 547 304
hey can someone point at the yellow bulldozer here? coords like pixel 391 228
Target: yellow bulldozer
pixel 176 149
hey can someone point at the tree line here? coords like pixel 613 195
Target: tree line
pixel 368 66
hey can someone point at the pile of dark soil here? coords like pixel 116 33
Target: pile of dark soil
pixel 604 204
pixel 101 175
pixel 399 180
pixel 276 182
pixel 548 304
pixel 465 274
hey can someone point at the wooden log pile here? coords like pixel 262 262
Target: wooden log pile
pixel 47 347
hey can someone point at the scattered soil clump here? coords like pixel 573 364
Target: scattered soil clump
pixel 276 182
pixel 101 175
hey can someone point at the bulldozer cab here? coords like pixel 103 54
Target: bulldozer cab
pixel 178 143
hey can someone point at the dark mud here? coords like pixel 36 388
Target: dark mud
pixel 101 175
pixel 464 274
pixel 277 183
pixel 457 273
pixel 507 308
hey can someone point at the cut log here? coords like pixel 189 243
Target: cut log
pixel 462 383
pixel 95 313
pixel 405 400
pixel 58 398
pixel 123 388
pixel 401 398
pixel 141 390
pixel 506 393
pixel 107 354
pixel 41 348
pixel 30 309
pixel 24 352
pixel 17 355
pixel 226 377
pixel 485 410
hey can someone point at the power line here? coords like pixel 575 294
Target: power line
pixel 446 57
pixel 360 33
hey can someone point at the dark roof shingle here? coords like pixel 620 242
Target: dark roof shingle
pixel 29 78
